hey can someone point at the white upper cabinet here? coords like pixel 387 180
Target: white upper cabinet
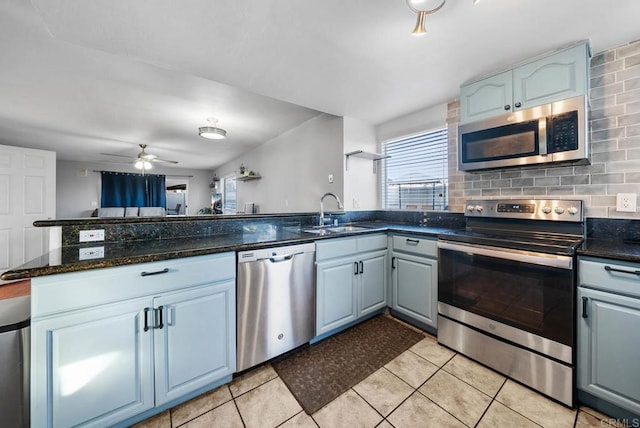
pixel 558 76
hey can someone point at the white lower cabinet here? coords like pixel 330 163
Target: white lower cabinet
pixel 414 277
pixel 98 365
pixel 350 280
pixel 609 334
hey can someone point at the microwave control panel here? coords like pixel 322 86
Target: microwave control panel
pixel 562 132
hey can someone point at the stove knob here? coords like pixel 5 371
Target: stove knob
pixel 479 208
pixel 559 210
pixel 573 210
pixel 546 210
pixel 470 208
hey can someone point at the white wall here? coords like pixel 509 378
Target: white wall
pixel 294 167
pixel 360 183
pixel 78 187
pixel 413 123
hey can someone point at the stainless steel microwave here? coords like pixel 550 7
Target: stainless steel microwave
pixel 549 133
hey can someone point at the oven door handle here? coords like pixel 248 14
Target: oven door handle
pixel 551 260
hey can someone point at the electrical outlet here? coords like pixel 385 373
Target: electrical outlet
pixel 91 235
pixel 626 202
pixel 91 253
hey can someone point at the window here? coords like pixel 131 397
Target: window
pixel 415 175
pixel 229 194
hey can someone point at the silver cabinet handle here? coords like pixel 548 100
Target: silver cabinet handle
pixel 630 272
pixel 412 241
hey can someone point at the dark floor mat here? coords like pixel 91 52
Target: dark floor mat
pixel 319 373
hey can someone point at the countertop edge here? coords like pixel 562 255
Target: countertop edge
pixel 32 272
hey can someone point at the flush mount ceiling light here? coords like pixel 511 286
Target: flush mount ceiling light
pixel 424 8
pixel 212 132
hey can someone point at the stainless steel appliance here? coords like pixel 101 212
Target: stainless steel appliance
pixel 556 132
pixel 15 315
pixel 506 290
pixel 276 302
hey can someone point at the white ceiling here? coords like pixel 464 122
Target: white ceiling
pixel 87 76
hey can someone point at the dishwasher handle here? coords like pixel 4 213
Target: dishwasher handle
pixel 283 258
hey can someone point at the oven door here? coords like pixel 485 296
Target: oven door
pixel 523 297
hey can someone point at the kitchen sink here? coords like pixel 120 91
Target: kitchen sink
pixel 333 229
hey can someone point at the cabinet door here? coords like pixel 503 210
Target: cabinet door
pixel 372 282
pixel 609 347
pixel 196 344
pixel 486 98
pixel 92 367
pixel 553 78
pixel 336 303
pixel 415 287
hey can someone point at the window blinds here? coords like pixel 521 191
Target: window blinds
pixel 414 176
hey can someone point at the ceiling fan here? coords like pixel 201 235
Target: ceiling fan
pixel 144 160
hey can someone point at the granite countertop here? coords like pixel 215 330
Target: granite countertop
pixel 622 249
pixel 66 259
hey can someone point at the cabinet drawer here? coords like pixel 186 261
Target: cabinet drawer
pixel 372 243
pixel 608 275
pixel 341 247
pixel 331 248
pixel 68 291
pixel 411 244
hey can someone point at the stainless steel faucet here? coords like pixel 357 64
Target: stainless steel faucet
pixel 322 207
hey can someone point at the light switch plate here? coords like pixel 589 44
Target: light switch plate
pixel 626 202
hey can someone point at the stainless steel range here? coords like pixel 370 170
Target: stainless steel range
pixel 506 290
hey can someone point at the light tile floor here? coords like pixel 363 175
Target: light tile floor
pixel 426 386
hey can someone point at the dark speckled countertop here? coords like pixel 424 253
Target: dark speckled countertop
pixel 623 249
pixel 66 259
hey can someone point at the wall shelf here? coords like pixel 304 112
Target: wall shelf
pixel 366 155
pixel 248 177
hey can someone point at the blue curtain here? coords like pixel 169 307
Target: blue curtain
pixel 121 189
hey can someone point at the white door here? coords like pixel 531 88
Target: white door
pixel 27 193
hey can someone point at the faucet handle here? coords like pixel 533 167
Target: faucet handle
pixel 326 219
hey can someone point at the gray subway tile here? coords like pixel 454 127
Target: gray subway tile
pixel 632 177
pixel 602 57
pixel 603 200
pixel 500 183
pixel 522 182
pixel 490 192
pixel 607 112
pixel 629 49
pixel 633 131
pixel 628 97
pixel 604 91
pixel 607 178
pixel 597 168
pixel 511 191
pixel 632 61
pixel 602 80
pixel 559 190
pixel 511 174
pixel 607 134
pixel 483 184
pixel 537 172
pixel 612 156
pixel 547 181
pixel 604 146
pixel 591 189
pixel 632 107
pixel 631 84
pixel 535 191
pixel 602 101
pixel 607 67
pixel 629 119
pixel 563 170
pixel 633 154
pixel 491 175
pixel 605 123
pixel 570 180
pixel 627 74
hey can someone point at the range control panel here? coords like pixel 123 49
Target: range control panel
pixel 534 209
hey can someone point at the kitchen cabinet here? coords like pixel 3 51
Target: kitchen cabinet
pixel 609 334
pixel 350 280
pixel 414 279
pixel 109 344
pixel 555 77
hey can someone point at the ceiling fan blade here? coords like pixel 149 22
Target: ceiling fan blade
pixel 163 160
pixel 120 156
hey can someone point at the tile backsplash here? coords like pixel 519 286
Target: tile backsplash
pixel 614 124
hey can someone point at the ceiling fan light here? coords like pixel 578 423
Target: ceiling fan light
pixel 212 132
pixel 143 164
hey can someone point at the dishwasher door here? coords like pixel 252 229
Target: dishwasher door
pixel 276 302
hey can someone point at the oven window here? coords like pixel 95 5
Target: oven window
pixel 503 142
pixel 534 298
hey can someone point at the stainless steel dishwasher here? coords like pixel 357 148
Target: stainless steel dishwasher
pixel 276 303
